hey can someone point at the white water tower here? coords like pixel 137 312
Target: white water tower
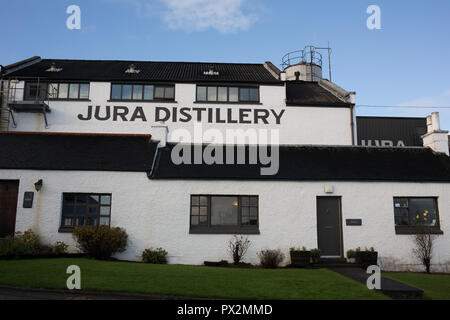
pixel 305 65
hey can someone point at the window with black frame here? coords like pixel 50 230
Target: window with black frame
pixel 142 92
pixel 224 214
pixel 227 94
pixel 83 209
pixel 415 213
pixel 56 91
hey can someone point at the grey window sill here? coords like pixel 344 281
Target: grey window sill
pixel 413 230
pixel 224 230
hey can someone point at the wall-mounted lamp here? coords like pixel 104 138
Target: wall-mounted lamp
pixel 38 185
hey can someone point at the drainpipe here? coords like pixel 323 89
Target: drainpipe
pixel 352 101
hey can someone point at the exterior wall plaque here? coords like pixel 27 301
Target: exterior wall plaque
pixel 353 222
pixel 28 199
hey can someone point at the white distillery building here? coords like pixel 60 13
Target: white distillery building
pixel 92 142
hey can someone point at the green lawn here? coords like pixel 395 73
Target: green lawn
pixel 190 281
pixel 435 286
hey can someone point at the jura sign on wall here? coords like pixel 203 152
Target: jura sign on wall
pixel 183 114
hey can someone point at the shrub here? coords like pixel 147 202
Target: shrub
pixel 270 258
pixel 100 242
pixel 351 254
pixel 20 244
pixel 158 256
pixel 238 247
pixel 60 248
pixel 315 255
pixel 423 249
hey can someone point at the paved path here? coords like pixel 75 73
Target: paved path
pixel 14 293
pixel 389 287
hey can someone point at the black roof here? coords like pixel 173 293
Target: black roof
pixel 136 152
pixel 408 130
pixel 114 70
pixel 346 163
pixel 76 152
pixel 307 93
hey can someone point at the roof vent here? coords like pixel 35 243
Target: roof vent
pixel 132 69
pixel 211 72
pixel 53 68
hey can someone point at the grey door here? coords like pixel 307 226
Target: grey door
pixel 329 230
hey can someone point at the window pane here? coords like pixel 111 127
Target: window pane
pixel 203 211
pixel 81 199
pixel 254 201
pixel 224 211
pixel 67 221
pixel 212 93
pixel 401 216
pixel 81 209
pixel 69 198
pixel 194 220
pixel 68 209
pixel 243 94
pixel 401 203
pixel 79 221
pixel 137 92
pixel 92 210
pixel 53 90
pixel 93 199
pixel 245 211
pixel 203 201
pixel 63 91
pixel 169 93
pixel 201 93
pixel 222 94
pixel 422 211
pixel 32 90
pixel 195 211
pixel 233 91
pixel 91 221
pixel 126 92
pixel 106 199
pixel 203 219
pixel 148 92
pixel 84 91
pixel 115 91
pixel 254 94
pixel 105 210
pixel 245 201
pixel 195 200
pixel 104 221
pixel 73 91
pixel 159 92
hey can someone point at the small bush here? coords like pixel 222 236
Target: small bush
pixel 157 256
pixel 270 258
pixel 26 244
pixel 238 247
pixel 100 242
pixel 60 248
pixel 351 254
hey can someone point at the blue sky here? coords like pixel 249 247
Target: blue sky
pixel 404 63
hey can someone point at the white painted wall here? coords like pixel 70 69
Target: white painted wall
pixel 299 125
pixel 156 213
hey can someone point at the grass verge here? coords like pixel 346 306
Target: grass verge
pixel 189 281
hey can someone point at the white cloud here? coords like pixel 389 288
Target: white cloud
pixel 197 15
pixel 225 16
pixel 441 100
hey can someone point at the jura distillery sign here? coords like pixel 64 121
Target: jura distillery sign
pixel 183 114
